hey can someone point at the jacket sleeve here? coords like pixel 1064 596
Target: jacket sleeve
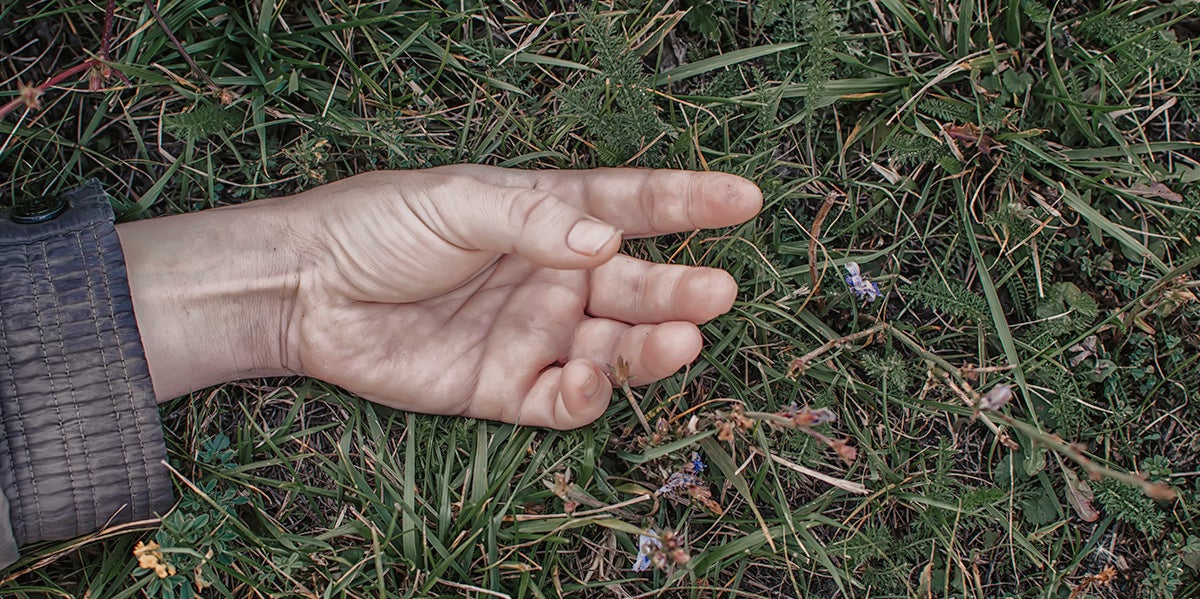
pixel 81 444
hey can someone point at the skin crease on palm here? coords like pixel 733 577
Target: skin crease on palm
pixel 473 290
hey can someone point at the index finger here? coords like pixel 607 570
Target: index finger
pixel 640 201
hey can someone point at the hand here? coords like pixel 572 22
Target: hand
pixel 469 290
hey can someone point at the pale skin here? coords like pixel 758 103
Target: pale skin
pixel 486 292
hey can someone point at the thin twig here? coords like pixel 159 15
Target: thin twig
pixel 800 364
pixel 152 5
pixel 106 44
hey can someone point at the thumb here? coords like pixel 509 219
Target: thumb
pixel 536 225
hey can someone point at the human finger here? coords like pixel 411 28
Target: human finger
pixel 529 331
pixel 641 202
pixel 532 223
pixel 647 353
pixel 565 397
pixel 641 292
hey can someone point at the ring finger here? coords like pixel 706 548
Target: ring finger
pixel 650 351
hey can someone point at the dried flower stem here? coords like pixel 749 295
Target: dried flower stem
pixel 636 408
pixel 962 389
pixel 620 376
pixel 845 451
pixel 1096 471
pixel 966 396
pixel 800 364
pixel 814 233
pixel 600 510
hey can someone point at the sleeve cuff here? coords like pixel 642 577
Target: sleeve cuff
pixel 81 444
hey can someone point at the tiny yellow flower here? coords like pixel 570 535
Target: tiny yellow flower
pixel 150 557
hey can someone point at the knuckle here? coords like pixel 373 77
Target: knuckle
pixel 695 190
pixel 528 208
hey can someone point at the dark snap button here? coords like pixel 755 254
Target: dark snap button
pixel 38 210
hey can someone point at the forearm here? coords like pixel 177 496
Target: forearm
pixel 212 291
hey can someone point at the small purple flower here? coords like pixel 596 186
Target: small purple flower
pixel 807 416
pixel 860 285
pixel 648 542
pixel 677 480
pixel 697 464
pixel 996 398
pixel 824 416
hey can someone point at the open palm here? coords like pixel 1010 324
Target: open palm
pixel 476 291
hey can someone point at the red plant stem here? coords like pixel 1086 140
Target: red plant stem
pixel 105 46
pixel 108 27
pixel 106 40
pixel 51 82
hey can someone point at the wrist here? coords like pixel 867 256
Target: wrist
pixel 212 293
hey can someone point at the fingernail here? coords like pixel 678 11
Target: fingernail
pixel 588 237
pixel 592 384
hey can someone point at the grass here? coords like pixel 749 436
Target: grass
pixel 1018 178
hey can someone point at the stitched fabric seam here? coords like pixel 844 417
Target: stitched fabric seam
pixel 62 425
pixel 112 393
pixel 7 447
pixel 137 419
pixel 37 313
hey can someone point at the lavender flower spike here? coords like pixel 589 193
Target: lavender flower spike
pixel 860 285
pixel 647 543
pixel 676 481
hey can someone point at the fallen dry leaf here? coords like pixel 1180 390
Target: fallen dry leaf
pixel 1080 496
pixel 1155 190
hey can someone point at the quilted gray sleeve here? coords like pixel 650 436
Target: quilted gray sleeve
pixel 81 444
